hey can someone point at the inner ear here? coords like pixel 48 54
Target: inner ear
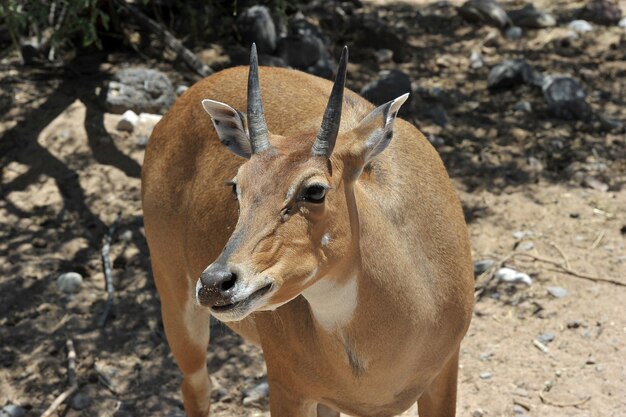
pixel 231 127
pixel 375 131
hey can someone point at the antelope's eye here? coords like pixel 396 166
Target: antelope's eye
pixel 314 193
pixel 233 186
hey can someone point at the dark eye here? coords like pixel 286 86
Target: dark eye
pixel 314 193
pixel 233 186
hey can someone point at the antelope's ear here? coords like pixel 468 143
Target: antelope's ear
pixel 230 125
pixel 374 132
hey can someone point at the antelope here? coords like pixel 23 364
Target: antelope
pixel 307 230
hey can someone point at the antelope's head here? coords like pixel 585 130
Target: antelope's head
pixel 297 215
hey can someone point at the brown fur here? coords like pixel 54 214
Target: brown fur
pixel 399 224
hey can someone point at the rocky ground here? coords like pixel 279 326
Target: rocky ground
pixel 530 183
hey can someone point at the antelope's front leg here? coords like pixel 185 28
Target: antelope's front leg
pixel 285 402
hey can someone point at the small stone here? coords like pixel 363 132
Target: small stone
pixel 128 121
pixel 12 410
pixel 484 11
pixel 531 17
pixel 622 22
pixel 126 235
pixel 512 276
pixel 40 243
pixel 388 86
pixel 478 413
pixel 509 73
pixel 149 120
pixel 485 375
pixel 436 141
pixel 482 265
pixel 513 33
pixel 590 361
pixel 521 392
pixel 525 246
pixel 602 12
pixel 595 183
pixel 80 401
pixel 70 282
pixel 566 97
pixel 518 409
pixel 600 368
pixel 580 26
pixel 486 356
pixel 574 324
pixel 219 393
pixel 255 24
pixel 546 337
pixel 257 394
pixel 523 106
pixel 609 124
pixel 476 60
pixel 574 215
pixel 181 89
pixel 383 55
pixel 557 292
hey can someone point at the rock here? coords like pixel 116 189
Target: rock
pixel 590 361
pixel 546 337
pixel 12 410
pixel 478 413
pixel 531 17
pixel 574 324
pixel 523 106
pixel 513 33
pixel 622 22
pixel 566 97
pixel 557 292
pixel 128 121
pixel 80 401
pixel 595 183
pixel 602 12
pixel 521 234
pixel 389 85
pixel 436 141
pixel 609 124
pixel 476 60
pixel 485 375
pixel 580 26
pixel 481 266
pixel 181 89
pixel 376 33
pixel 255 24
pixel 525 246
pixel 257 394
pixel 303 46
pixel 486 356
pixel 484 11
pixel 383 55
pixel 512 276
pixel 149 119
pixel 70 282
pixel 140 90
pixel 509 73
pixel 518 409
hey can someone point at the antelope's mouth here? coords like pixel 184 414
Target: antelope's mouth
pixel 245 302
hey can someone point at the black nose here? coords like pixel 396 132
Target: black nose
pixel 216 281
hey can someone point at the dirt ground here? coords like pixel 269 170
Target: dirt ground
pixel 522 177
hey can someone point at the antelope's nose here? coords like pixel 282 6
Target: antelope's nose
pixel 215 284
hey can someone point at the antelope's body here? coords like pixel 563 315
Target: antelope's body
pixel 361 289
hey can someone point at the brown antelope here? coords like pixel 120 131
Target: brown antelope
pixel 341 252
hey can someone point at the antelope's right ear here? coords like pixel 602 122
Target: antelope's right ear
pixel 230 125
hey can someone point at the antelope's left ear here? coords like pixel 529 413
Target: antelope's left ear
pixel 230 125
pixel 375 131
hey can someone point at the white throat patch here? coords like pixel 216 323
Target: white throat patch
pixel 333 304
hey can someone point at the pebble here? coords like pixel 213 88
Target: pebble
pixel 509 73
pixel 523 106
pixel 595 183
pixel 512 276
pixel 436 141
pixel 476 60
pixel 181 89
pixel 518 409
pixel 513 33
pixel 149 119
pixel 602 12
pixel 566 97
pixel 383 55
pixel 80 401
pixel 525 246
pixel 486 356
pixel 590 361
pixel 255 24
pixel 484 11
pixel 574 324
pixel 128 121
pixel 580 26
pixel 482 265
pixel 546 337
pixel 557 292
pixel 622 23
pixel 600 368
pixel 12 410
pixel 388 86
pixel 485 375
pixel 70 282
pixel 256 394
pixel 531 17
pixel 478 413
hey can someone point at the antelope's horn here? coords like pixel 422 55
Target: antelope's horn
pixel 259 136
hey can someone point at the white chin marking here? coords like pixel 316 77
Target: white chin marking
pixel 332 303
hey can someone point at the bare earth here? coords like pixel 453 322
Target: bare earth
pixel 67 172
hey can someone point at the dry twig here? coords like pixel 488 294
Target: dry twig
pixel 174 44
pixel 565 260
pixel 106 266
pixel 71 377
pixel 563 405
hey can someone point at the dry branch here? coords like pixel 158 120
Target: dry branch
pixel 174 44
pixel 71 377
pixel 106 266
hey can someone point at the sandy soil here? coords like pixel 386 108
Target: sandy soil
pixel 67 172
